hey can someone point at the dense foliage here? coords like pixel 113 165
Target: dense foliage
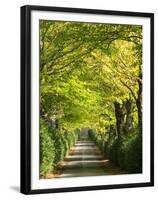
pixel 54 145
pixel 126 152
pixel 91 76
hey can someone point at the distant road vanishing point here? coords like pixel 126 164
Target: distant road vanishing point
pixel 85 159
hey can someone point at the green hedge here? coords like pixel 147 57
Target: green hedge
pixel 47 149
pixel 54 145
pixel 130 153
pixel 125 152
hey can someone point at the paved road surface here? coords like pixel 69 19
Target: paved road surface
pixel 85 159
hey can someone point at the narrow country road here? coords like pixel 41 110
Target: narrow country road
pixel 85 159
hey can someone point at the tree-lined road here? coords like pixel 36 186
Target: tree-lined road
pixel 90 76
pixel 85 159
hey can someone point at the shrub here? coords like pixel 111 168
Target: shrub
pixel 71 139
pixel 54 145
pixel 47 149
pixel 133 155
pixel 125 152
pixel 112 150
pixel 60 147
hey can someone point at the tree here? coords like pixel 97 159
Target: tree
pixel 89 72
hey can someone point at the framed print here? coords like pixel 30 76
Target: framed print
pixel 87 99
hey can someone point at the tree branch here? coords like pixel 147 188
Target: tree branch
pixel 128 87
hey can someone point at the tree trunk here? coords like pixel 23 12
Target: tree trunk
pixel 129 118
pixel 139 104
pixel 139 108
pixel 56 124
pixel 119 113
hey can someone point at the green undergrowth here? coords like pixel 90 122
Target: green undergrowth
pixel 54 145
pixel 125 152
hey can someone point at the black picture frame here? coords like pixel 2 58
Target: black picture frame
pixel 26 98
